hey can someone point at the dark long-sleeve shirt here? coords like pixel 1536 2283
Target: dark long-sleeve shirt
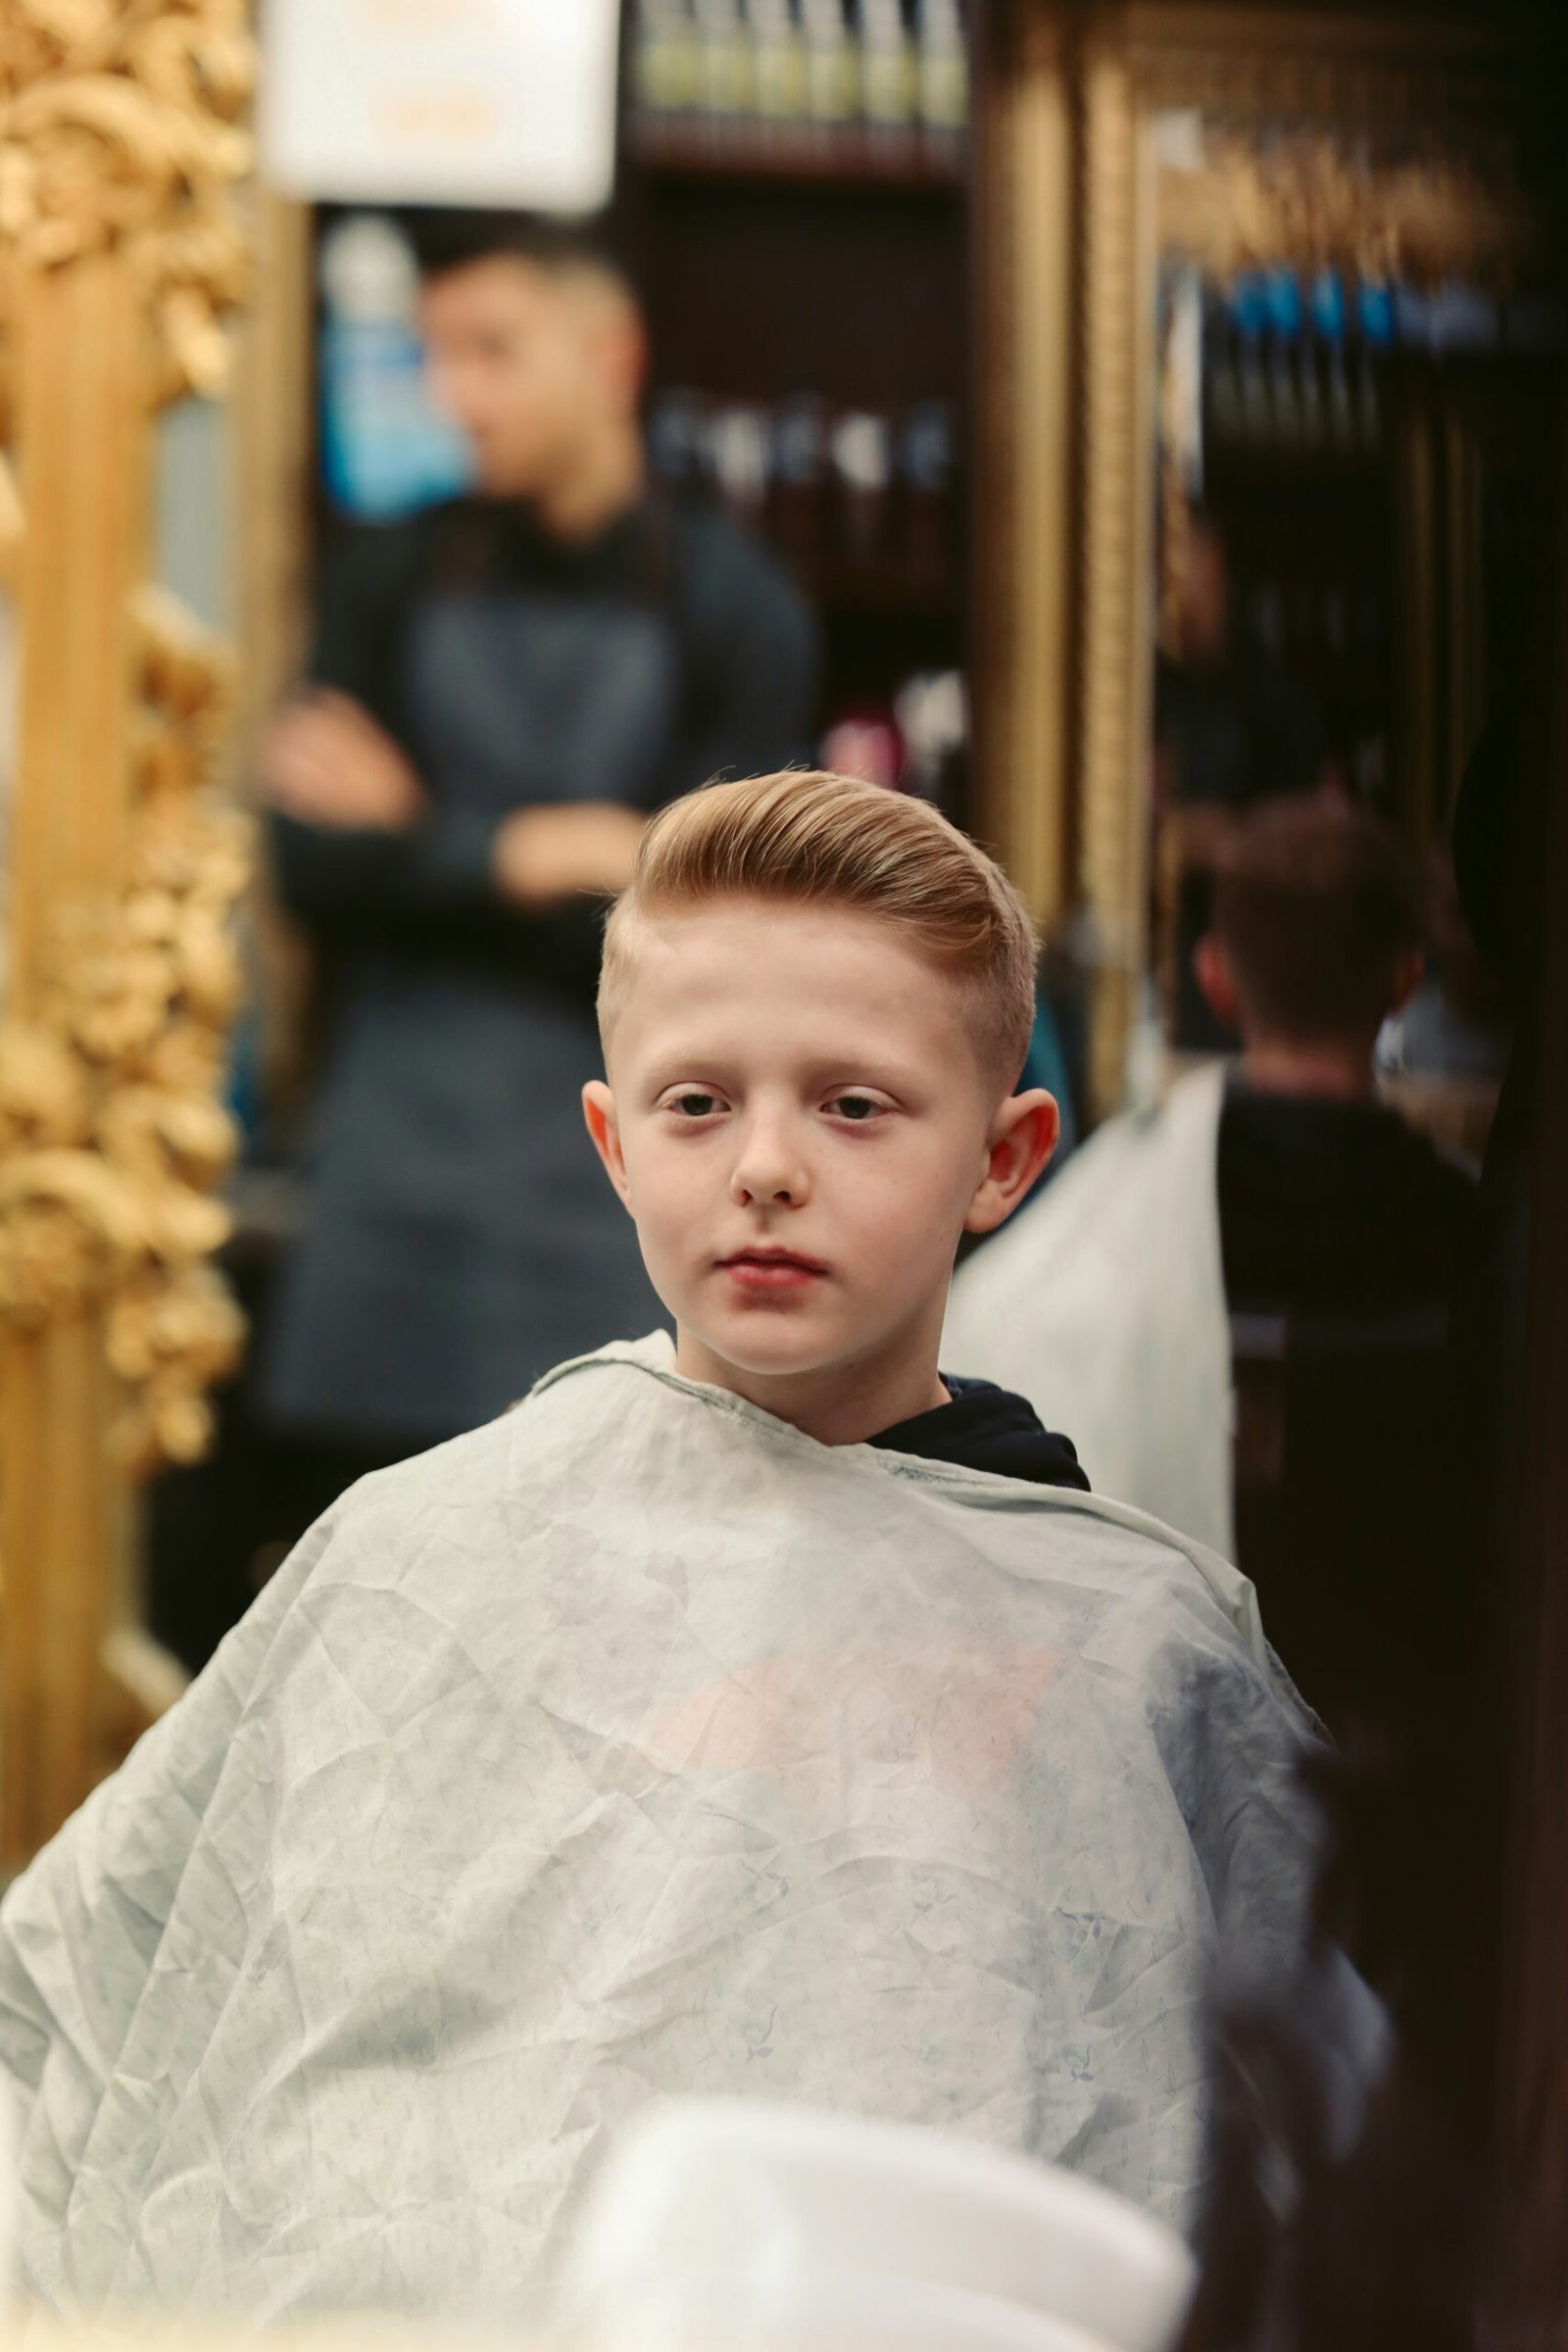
pixel 463 1238
pixel 732 681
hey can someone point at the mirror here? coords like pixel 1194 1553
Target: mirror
pixel 1355 361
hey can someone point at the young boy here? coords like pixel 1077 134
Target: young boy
pixel 749 1714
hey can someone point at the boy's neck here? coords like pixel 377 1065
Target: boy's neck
pixel 841 1404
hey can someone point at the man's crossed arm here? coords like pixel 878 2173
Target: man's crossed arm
pixel 329 766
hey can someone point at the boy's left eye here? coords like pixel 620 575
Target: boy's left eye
pixel 857 1108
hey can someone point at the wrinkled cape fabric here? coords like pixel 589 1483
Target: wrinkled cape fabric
pixel 1104 1304
pixel 639 1744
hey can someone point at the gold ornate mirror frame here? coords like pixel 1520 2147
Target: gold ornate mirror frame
pixel 1071 214
pixel 121 142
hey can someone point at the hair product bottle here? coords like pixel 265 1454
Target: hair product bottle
pixel 723 61
pixel 942 78
pixel 777 63
pixel 832 77
pixel 664 58
pixel 887 73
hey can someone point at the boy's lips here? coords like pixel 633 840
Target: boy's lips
pixel 771 1269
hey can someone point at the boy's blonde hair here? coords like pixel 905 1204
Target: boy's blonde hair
pixel 810 839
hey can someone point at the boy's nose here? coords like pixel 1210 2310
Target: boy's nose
pixel 767 1170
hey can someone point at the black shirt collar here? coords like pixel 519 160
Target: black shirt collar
pixel 987 1428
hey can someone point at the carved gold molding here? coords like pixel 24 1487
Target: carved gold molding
pixel 117 139
pixel 1115 550
pixel 111 1131
pixel 119 130
pixel 119 256
pixel 1022 637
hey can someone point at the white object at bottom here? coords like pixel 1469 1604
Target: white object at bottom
pixel 751 2226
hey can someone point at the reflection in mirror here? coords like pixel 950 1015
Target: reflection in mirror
pixel 1354 370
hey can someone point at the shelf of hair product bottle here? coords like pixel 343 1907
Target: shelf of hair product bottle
pixel 862 503
pixel 872 93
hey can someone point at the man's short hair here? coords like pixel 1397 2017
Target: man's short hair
pixel 444 241
pixel 1315 904
pixel 807 838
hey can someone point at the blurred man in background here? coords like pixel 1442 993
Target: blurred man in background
pixel 503 688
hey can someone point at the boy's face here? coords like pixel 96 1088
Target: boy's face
pixel 798 1121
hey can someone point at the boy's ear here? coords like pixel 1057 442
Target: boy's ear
pixel 598 1113
pixel 1024 1136
pixel 1211 967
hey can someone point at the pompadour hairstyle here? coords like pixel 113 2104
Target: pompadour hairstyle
pixel 810 839
pixel 1315 902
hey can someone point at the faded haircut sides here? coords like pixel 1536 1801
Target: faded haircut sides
pixel 807 838
pixel 445 240
pixel 1315 905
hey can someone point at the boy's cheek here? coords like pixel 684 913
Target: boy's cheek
pixel 661 1212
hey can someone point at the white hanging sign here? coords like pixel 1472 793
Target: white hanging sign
pixel 483 102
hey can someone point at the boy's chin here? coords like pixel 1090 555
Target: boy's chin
pixel 763 1346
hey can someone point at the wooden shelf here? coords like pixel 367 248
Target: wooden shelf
pixel 775 258
pixel 784 155
pixel 879 590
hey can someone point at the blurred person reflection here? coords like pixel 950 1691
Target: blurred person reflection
pixel 503 688
pixel 1231 729
pixel 1277 1189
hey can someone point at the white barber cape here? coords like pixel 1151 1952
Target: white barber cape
pixel 639 1744
pixel 1103 1303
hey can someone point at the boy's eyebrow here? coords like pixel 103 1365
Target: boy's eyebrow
pixel 857 1058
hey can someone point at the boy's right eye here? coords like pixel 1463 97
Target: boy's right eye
pixel 694 1104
